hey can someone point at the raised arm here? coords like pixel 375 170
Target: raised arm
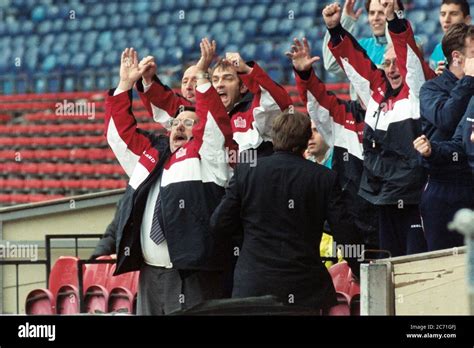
pixel 348 21
pixel 269 97
pixel 159 100
pixel 361 71
pixel 213 133
pixel 413 68
pixel 332 116
pixel 125 139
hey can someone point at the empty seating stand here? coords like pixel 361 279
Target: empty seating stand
pixel 46 156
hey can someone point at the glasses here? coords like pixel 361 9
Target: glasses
pixel 389 62
pixel 187 122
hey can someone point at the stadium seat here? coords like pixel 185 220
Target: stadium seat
pixel 40 302
pixel 96 295
pixel 67 300
pixel 122 289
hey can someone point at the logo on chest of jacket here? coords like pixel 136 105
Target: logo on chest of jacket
pixel 240 122
pixel 181 153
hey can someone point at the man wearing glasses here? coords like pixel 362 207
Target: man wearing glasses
pixel 175 184
pixel 392 178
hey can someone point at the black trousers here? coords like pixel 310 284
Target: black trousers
pixel 163 291
pixel 439 202
pixel 400 230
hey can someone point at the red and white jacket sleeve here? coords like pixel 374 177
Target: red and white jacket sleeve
pixel 359 68
pixel 160 101
pixel 413 68
pixel 269 99
pixel 213 134
pixel 334 121
pixel 124 138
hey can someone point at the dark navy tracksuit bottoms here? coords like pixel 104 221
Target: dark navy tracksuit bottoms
pixel 440 200
pixel 400 230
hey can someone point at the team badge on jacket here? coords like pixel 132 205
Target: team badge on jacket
pixel 240 122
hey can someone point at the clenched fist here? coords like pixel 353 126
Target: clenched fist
pixel 332 15
pixel 423 146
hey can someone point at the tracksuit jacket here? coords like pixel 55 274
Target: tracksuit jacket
pixel 192 182
pixel 341 124
pixel 444 101
pixel 251 118
pixel 392 172
pixel 461 145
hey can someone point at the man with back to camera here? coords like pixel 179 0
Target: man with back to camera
pixel 175 184
pixel 444 101
pixel 282 204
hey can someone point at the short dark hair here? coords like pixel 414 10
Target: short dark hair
pixel 455 39
pixel 224 65
pixel 399 2
pixel 291 131
pixel 465 9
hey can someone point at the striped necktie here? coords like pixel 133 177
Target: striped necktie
pixel 156 233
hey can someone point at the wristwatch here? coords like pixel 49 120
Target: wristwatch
pixel 202 75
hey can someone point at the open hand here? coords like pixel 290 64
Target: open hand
pixel 130 72
pixel 300 55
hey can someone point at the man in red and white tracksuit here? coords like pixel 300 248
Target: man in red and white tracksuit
pixel 251 98
pixel 175 184
pixel 341 124
pixel 393 177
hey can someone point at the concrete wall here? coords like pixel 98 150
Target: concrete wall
pixel 27 225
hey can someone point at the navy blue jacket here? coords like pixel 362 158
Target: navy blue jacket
pixel 443 102
pixel 460 147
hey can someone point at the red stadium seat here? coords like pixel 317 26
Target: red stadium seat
pixel 40 302
pixel 122 289
pixel 343 306
pixel 67 300
pixel 63 273
pixel 96 296
pixel 347 289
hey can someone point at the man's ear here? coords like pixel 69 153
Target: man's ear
pixel 456 55
pixel 468 20
pixel 243 88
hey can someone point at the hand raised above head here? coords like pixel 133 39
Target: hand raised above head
pixel 332 15
pixel 390 7
pixel 349 10
pixel 208 51
pixel 300 55
pixel 237 62
pixel 148 63
pixel 130 72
